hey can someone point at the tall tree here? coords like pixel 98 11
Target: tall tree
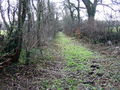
pixel 71 10
pixel 91 8
pixel 29 27
pixel 39 17
pixel 78 11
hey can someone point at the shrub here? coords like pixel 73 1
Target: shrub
pixel 100 33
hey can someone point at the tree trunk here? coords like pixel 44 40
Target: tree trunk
pixel 91 8
pixel 17 40
pixel 78 10
pixel 39 5
pixel 29 26
pixel 71 12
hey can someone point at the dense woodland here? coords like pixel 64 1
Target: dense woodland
pixel 39 34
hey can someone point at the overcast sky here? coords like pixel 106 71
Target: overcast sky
pixel 102 12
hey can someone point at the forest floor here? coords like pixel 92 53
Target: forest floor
pixel 66 64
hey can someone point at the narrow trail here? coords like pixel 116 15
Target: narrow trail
pixel 83 69
pixel 66 65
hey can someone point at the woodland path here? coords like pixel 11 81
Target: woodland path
pixel 66 65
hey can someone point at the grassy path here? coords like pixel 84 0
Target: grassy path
pixel 75 55
pixel 77 60
pixel 66 65
pixel 83 69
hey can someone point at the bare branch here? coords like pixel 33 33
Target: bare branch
pixel 34 5
pixel 106 5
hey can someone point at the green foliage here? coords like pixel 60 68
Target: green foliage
pixel 61 38
pixel 65 83
pixel 35 55
pixel 3 32
pixel 22 57
pixel 33 58
pixel 46 84
pixel 114 29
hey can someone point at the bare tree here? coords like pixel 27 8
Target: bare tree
pixel 16 46
pixel 91 8
pixel 78 11
pixel 11 13
pixel 71 9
